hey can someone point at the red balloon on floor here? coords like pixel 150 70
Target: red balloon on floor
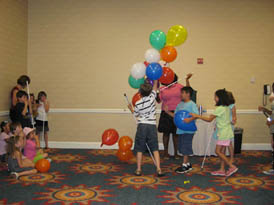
pixel 124 155
pixel 43 165
pixel 109 137
pixel 135 98
pixel 125 143
pixel 168 76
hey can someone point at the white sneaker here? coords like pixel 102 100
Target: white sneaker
pixel 15 174
pixel 49 159
pixel 269 172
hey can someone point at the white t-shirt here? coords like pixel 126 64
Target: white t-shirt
pixel 145 109
pixel 41 112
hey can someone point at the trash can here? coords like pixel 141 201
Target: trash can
pixel 238 137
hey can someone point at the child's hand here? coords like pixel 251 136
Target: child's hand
pixel 194 115
pixel 130 107
pixel 268 123
pixel 165 108
pixel 187 120
pixel 261 108
pixel 234 121
pixel 188 76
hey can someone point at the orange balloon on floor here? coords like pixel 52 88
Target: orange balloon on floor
pixel 109 137
pixel 168 76
pixel 135 98
pixel 125 143
pixel 168 54
pixel 124 155
pixel 43 165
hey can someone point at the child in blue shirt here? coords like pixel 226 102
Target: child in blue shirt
pixel 185 137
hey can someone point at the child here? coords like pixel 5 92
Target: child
pixel 185 137
pixel 21 109
pixel 42 118
pixel 146 135
pixel 33 107
pixel 4 136
pixel 15 164
pixel 224 130
pixel 15 128
pixel 31 150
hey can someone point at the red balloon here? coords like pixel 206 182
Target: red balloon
pixel 125 143
pixel 168 76
pixel 168 54
pixel 124 155
pixel 109 137
pixel 43 165
pixel 146 63
pixel 135 98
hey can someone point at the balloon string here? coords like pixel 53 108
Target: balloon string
pixel 32 120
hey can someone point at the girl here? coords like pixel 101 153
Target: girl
pixel 4 136
pixel 15 164
pixel 42 118
pixel 224 131
pixel 34 106
pixel 31 150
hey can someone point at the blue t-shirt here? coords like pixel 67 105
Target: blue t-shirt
pixel 189 106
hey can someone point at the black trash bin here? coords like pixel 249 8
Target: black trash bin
pixel 238 137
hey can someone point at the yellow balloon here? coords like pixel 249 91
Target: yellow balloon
pixel 176 35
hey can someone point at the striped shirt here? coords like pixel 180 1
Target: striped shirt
pixel 145 109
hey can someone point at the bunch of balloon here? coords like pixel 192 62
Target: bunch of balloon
pixel 124 153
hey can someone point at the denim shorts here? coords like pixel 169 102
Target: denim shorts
pixel 146 134
pixel 185 144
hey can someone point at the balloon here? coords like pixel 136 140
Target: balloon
pixel 124 155
pixel 168 54
pixel 151 82
pixel 146 63
pixel 43 165
pixel 154 71
pixel 37 158
pixel 157 39
pixel 179 121
pixel 176 35
pixel 152 55
pixel 135 83
pixel 138 70
pixel 109 137
pixel 168 76
pixel 135 98
pixel 125 143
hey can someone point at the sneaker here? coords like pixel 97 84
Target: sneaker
pixel 231 171
pixel 14 175
pixel 189 165
pixel 49 159
pixel 269 172
pixel 218 173
pixel 183 169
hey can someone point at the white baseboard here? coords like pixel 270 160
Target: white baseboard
pixel 97 145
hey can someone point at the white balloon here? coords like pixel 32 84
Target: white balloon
pixel 138 70
pixel 152 55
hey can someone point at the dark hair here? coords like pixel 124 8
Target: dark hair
pixel 41 94
pixel 223 97
pixel 31 95
pixel 187 89
pixel 175 79
pixel 231 98
pixel 11 148
pixel 21 93
pixel 22 80
pixel 145 89
pixel 3 124
pixel 14 125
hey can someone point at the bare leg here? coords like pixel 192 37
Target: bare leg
pixel 37 141
pixel 27 162
pixel 222 168
pixel 157 159
pixel 231 152
pixel 33 171
pixel 165 142
pixel 139 161
pixel 186 160
pixel 175 143
pixel 223 157
pixel 46 139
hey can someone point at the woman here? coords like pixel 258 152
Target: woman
pixel 170 97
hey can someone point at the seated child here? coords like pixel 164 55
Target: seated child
pixel 146 135
pixel 15 163
pixel 4 136
pixel 185 137
pixel 31 150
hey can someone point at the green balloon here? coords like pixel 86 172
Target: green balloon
pixel 37 158
pixel 157 39
pixel 135 83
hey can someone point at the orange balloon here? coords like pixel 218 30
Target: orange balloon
pixel 135 98
pixel 43 165
pixel 125 143
pixel 109 137
pixel 168 76
pixel 124 155
pixel 168 54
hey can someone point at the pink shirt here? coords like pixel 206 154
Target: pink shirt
pixel 30 149
pixel 171 96
pixel 3 144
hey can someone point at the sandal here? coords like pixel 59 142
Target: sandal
pixel 138 173
pixel 160 174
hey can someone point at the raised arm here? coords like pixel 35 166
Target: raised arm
pixel 46 104
pixel 234 115
pixel 188 76
pixel 155 85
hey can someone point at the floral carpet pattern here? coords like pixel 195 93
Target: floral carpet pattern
pixel 98 177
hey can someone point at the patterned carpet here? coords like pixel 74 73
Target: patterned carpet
pixel 98 177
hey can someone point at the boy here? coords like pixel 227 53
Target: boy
pixel 21 109
pixel 185 137
pixel 146 135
